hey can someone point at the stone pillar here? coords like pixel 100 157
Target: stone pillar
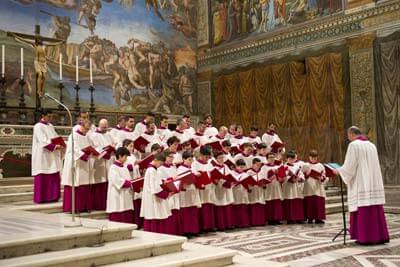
pixel 362 83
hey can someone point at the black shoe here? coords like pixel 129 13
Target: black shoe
pixel 300 222
pixel 319 222
pixel 311 221
pixel 290 222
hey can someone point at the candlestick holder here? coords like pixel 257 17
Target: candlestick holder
pixel 92 108
pixel 3 102
pixel 77 88
pixel 61 87
pixel 22 112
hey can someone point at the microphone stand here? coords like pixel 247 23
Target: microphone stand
pixel 73 223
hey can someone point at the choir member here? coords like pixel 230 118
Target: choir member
pixel 128 131
pixel 115 131
pixel 292 190
pixel 231 131
pixel 362 174
pixel 179 131
pixel 314 190
pixel 256 195
pixel 190 202
pixel 202 166
pixel 151 136
pixel 224 217
pixel 155 207
pixel 273 192
pixel 270 137
pixel 83 116
pixel 173 143
pixel 169 171
pixel 119 200
pixel 210 129
pixel 262 151
pixel 189 129
pixel 141 126
pixel 163 132
pixel 253 138
pixel 240 196
pixel 246 155
pixel 46 160
pixel 199 136
pixel 221 136
pixel 238 140
pixel 103 143
pixel 80 168
pixel 226 149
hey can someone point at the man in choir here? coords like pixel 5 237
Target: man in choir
pixel 270 137
pixel 253 138
pixel 83 116
pixel 151 136
pixel 189 129
pixel 155 207
pixel 78 166
pixel 361 173
pixel 46 160
pixel 314 189
pixel 179 131
pixel 246 155
pixel 210 129
pixel 199 136
pixel 292 190
pixel 119 201
pixel 163 132
pixel 128 132
pixel 103 143
pixel 241 196
pixel 115 132
pixel 141 126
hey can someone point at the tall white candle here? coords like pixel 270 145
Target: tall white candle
pixel 76 70
pixel 22 63
pixel 3 66
pixel 60 71
pixel 90 70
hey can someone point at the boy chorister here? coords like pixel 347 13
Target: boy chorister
pixel 262 151
pixel 224 217
pixel 202 166
pixel 256 196
pixel 293 191
pixel 190 202
pixel 163 133
pixel 246 155
pixel 83 163
pixel 314 190
pixel 273 192
pixel 238 139
pixel 119 195
pixel 226 149
pixel 155 207
pixel 173 143
pixel 131 165
pixel 169 171
pixel 240 196
pixel 253 138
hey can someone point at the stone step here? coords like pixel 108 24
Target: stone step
pixel 96 214
pixel 16 181
pixel 335 199
pixel 10 189
pixel 335 208
pixel 392 210
pixel 143 245
pixel 246 261
pixel 55 207
pixel 332 193
pixel 34 233
pixel 15 197
pixel 193 255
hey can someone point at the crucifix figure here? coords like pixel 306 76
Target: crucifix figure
pixel 39 44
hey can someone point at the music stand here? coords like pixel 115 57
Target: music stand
pixel 344 230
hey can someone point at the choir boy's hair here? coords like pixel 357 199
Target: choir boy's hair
pixel 262 145
pixel 200 123
pixel 163 117
pixel 167 153
pixel 172 140
pixel 246 145
pixel 238 127
pixel 270 153
pixel 256 160
pixel 253 128
pixel 354 130
pixel 45 112
pixel 155 147
pixel 122 151
pixel 187 154
pixel 206 116
pixel 179 121
pixel 313 153
pixel 160 156
pixel 240 162
pixel 130 117
pixel 226 143
pixel 205 150
pixel 291 154
pixel 271 123
pixel 186 116
pixel 121 118
pixel 218 153
pixel 126 142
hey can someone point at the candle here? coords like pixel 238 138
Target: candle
pixel 76 70
pixel 90 69
pixel 60 67
pixel 2 60
pixel 22 63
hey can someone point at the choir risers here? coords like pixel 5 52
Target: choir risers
pixel 16 181
pixel 335 199
pixel 10 189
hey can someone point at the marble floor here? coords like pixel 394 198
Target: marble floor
pixel 307 245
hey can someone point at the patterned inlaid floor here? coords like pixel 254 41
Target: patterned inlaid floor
pixel 308 245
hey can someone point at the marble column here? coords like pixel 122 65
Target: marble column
pixel 362 83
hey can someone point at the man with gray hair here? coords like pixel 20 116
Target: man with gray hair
pixel 362 174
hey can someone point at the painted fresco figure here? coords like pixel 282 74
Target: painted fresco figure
pixel 62 32
pixel 245 17
pixel 254 17
pixel 271 15
pixel 186 89
pixel 281 11
pixel 264 15
pixel 232 23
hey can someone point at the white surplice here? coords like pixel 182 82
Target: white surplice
pixel 101 165
pixel 118 198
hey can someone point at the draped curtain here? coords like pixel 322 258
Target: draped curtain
pixel 387 56
pixel 305 99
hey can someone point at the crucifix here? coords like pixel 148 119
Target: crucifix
pixel 39 44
